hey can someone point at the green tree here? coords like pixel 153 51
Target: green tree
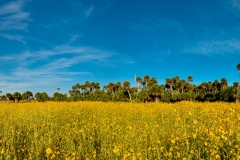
pixel 92 86
pixel 139 80
pixel 146 79
pixel 170 84
pixel 44 96
pixel 156 91
pixel 238 68
pixel 126 86
pixel 27 95
pixel 17 96
pixel 183 84
pixel 177 83
pixel 38 96
pixel 118 86
pixel 3 98
pixel 203 87
pixel 190 79
pixel 216 86
pixel 77 88
pixel 223 83
pixel 97 85
pixel 9 97
pixel 209 86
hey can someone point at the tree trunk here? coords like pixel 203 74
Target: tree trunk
pixel 171 89
pixel 129 94
pixel 138 86
pixel 237 98
pixel 156 99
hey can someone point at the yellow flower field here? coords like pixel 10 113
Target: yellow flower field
pixel 97 130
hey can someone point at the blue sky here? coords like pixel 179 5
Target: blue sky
pixel 57 43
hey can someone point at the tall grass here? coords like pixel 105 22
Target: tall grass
pixel 97 130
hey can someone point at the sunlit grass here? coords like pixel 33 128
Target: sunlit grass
pixel 97 130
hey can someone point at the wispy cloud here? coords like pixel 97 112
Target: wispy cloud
pixel 18 38
pixel 73 38
pixel 214 47
pixel 84 53
pixel 12 16
pixel 52 71
pixel 169 37
pixel 235 3
pixel 88 11
pixel 232 6
pixel 11 7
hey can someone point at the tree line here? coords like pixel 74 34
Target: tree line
pixel 175 89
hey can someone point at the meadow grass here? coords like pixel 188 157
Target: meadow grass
pixel 98 130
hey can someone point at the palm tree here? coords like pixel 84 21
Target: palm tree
pixel 38 96
pixel 111 88
pixel 235 84
pixel 238 68
pixel 209 86
pixel 44 96
pixel 83 88
pixel 156 91
pixel 203 87
pixel 177 83
pixel 223 83
pixel 77 88
pixel 118 86
pixel 183 84
pixel 139 80
pixel 126 86
pixel 17 96
pixel 28 94
pixel 97 85
pixel 105 88
pixel 71 92
pixel 87 86
pixel 170 83
pixel 4 97
pixel 216 86
pixel 9 97
pixel 146 79
pixel 92 86
pixel 190 79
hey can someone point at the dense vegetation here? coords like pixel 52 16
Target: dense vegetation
pixel 100 131
pixel 174 90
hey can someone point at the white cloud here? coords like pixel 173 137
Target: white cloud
pixel 214 47
pixel 80 54
pixel 235 3
pixel 232 6
pixel 12 17
pixel 18 38
pixel 74 37
pixel 11 7
pixel 52 71
pixel 88 11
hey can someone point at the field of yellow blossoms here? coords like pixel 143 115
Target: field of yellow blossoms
pixel 98 130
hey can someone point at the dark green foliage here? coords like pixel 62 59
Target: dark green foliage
pixel 147 90
pixel 42 97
